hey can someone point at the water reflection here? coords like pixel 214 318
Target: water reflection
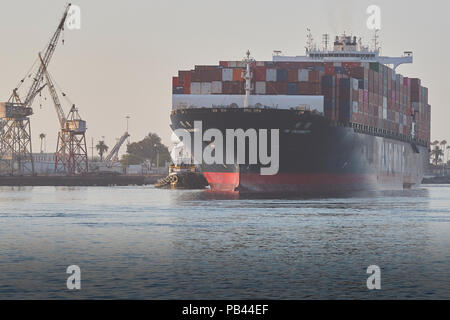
pixel 203 195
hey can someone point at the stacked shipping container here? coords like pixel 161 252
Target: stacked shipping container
pixel 370 94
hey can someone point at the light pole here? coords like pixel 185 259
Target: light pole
pixel 157 155
pixel 128 118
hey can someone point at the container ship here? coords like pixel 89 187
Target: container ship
pixel 346 119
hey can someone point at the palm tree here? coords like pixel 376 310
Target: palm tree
pixel 448 151
pixel 101 148
pixel 443 143
pixel 42 137
pixel 436 155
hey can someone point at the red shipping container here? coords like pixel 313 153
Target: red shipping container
pixel 184 79
pixel 314 76
pixel 182 75
pixel 207 74
pixel 175 82
pixel 215 74
pixel 237 74
pixel 292 75
pixel 232 87
pixel 329 70
pixel 415 84
pixel 205 68
pixel 223 64
pixel 361 96
pixel 276 88
pixel 260 73
pixel 406 82
pixel 357 73
pixel 351 64
pixel 227 87
pixel 196 76
pixel 305 88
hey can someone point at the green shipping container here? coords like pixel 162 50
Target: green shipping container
pixel 375 66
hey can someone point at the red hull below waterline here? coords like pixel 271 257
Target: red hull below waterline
pixel 255 183
pixel 222 181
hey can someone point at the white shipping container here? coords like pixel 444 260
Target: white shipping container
pixel 195 88
pixel 227 74
pixel 303 75
pixel 355 107
pixel 355 84
pixel 384 103
pixel 271 75
pixel 260 87
pixel 216 87
pixel 205 88
pixel 183 101
pixel 384 113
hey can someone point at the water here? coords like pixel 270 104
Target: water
pixel 144 243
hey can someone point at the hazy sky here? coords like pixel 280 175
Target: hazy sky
pixel 122 60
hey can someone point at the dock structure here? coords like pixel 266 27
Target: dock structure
pixel 81 181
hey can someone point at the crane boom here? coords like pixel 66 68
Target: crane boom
pixel 34 89
pixel 59 110
pixel 115 151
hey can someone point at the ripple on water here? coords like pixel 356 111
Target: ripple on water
pixel 139 242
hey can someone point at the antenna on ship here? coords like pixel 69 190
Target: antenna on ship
pixel 375 40
pixel 247 75
pixel 309 41
pixel 326 39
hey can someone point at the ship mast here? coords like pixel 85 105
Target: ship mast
pixel 248 78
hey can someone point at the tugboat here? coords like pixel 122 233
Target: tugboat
pixel 182 175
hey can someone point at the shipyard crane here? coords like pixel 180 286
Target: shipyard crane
pixel 113 156
pixel 15 130
pixel 71 151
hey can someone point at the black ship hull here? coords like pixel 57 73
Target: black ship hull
pixel 315 154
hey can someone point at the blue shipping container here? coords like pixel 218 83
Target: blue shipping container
pixel 292 88
pixel 282 75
